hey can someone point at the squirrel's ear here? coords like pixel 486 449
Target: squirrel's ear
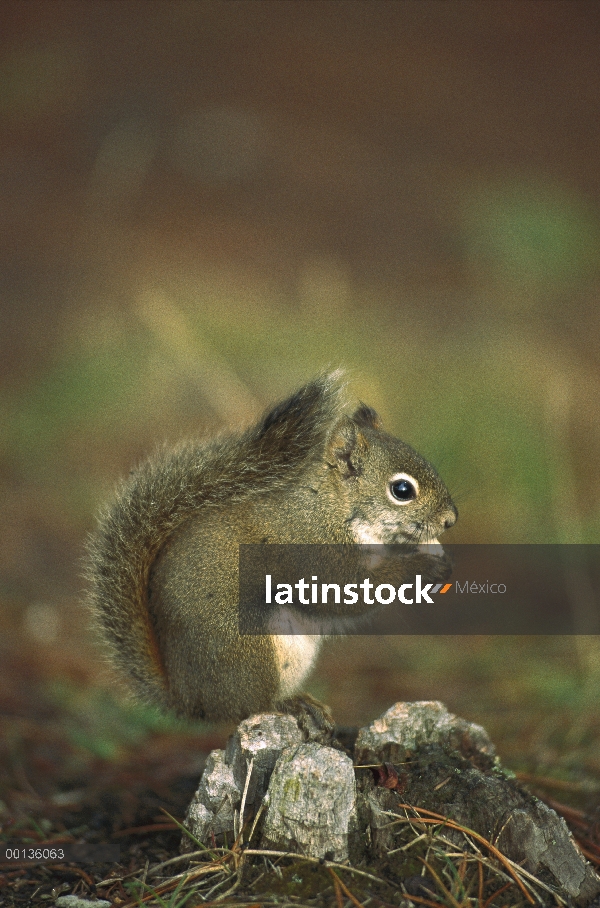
pixel 295 430
pixel 343 447
pixel 367 417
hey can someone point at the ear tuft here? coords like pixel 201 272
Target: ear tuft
pixel 295 431
pixel 367 418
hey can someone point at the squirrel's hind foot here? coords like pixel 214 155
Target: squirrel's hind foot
pixel 314 718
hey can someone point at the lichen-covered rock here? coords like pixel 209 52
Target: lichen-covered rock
pixel 406 727
pixel 199 820
pixel 258 741
pixel 451 772
pixel 314 806
pixel 540 838
pixel 212 809
pixel 253 749
pixel 312 803
pixel 382 833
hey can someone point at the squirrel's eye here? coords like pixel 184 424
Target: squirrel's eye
pixel 403 490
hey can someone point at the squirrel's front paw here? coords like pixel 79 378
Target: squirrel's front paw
pixel 433 568
pixel 314 718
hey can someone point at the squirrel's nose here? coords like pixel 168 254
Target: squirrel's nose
pixel 451 518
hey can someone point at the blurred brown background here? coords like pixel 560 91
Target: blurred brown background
pixel 203 203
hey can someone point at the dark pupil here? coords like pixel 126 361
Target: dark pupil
pixel 403 490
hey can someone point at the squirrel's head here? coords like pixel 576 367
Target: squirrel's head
pixel 392 494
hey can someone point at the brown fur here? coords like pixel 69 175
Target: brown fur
pixel 174 486
pixel 163 564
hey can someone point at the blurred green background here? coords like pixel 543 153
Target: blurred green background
pixel 204 203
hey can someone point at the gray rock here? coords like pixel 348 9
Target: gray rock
pixel 405 727
pixel 542 839
pixel 453 773
pixel 312 802
pixel 212 809
pixel 258 741
pixel 250 756
pixel 199 820
pixel 381 833
pixel 313 806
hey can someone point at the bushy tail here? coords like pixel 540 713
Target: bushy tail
pixel 174 486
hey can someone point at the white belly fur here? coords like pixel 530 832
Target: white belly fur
pixel 296 654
